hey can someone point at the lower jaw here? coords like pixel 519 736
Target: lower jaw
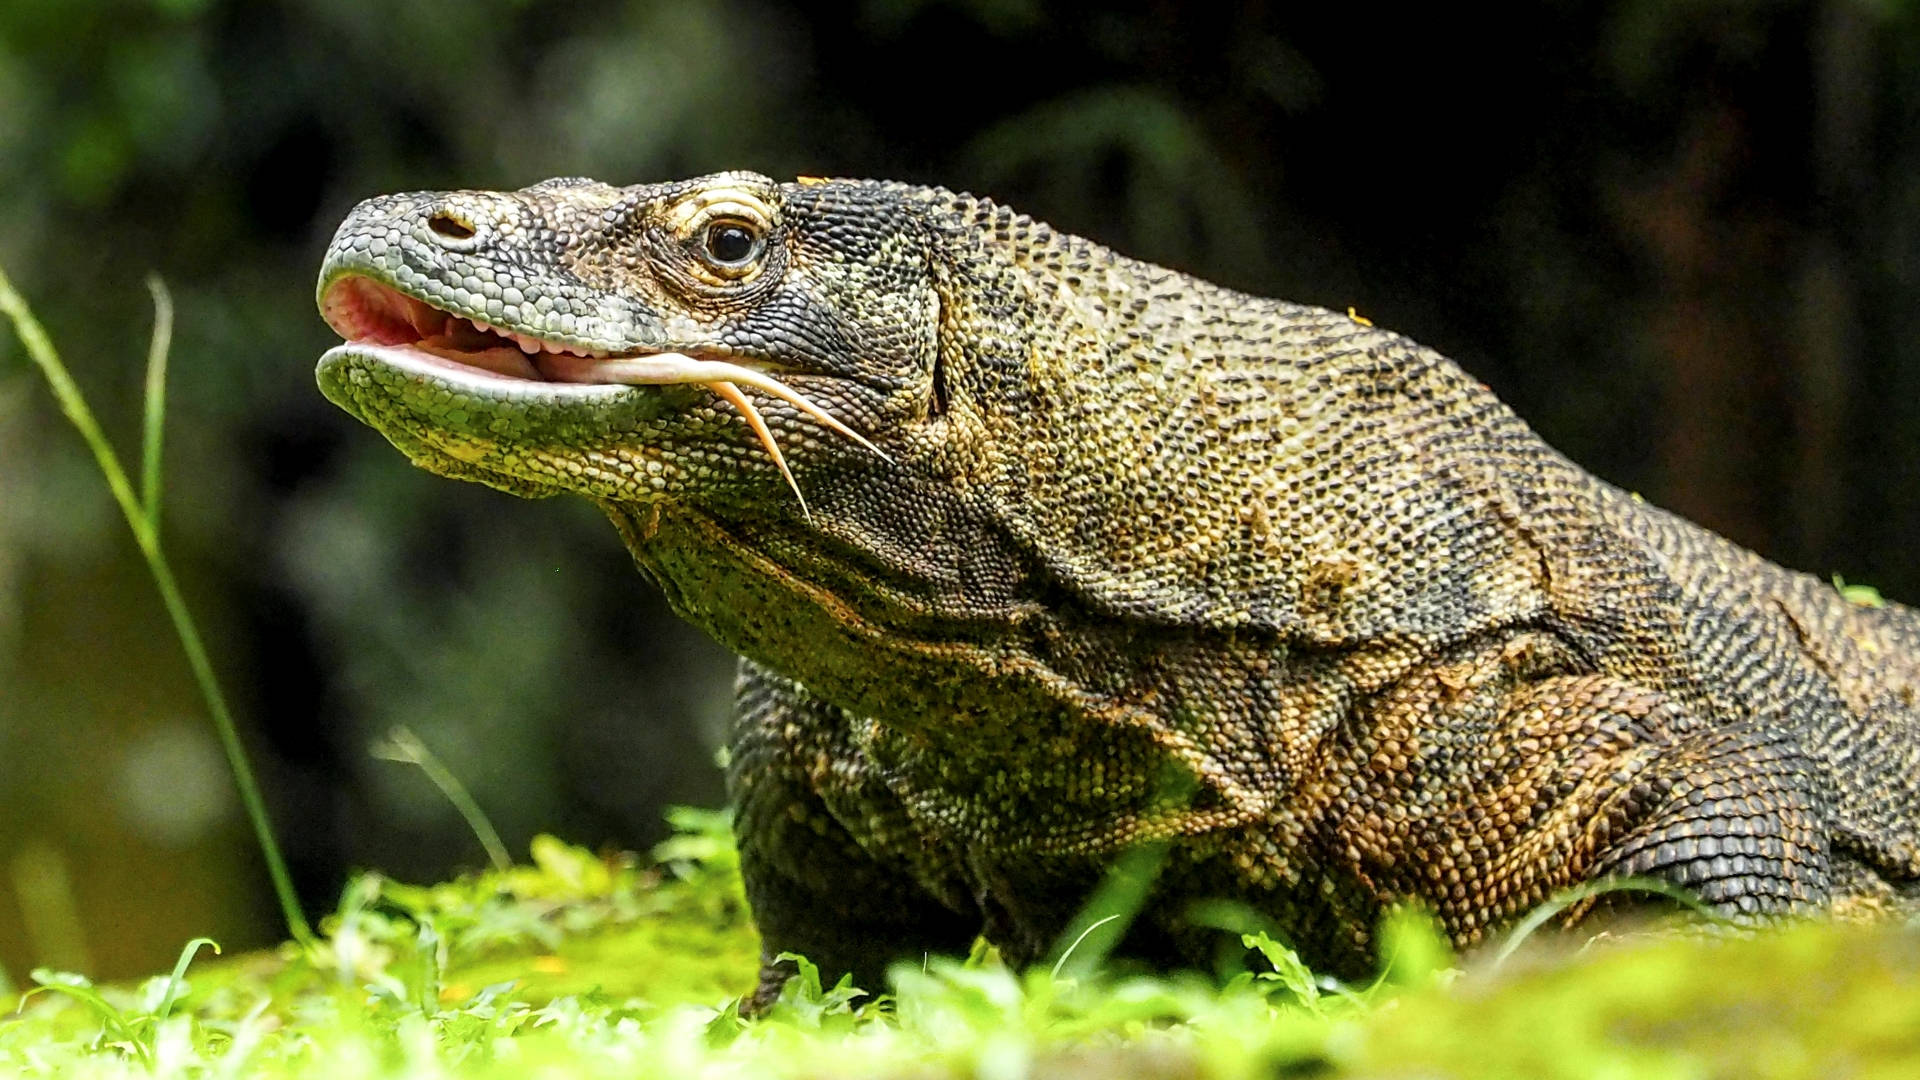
pixel 525 437
pixel 404 368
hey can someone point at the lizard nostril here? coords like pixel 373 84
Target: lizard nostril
pixel 446 224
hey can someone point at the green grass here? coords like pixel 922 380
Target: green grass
pixel 578 965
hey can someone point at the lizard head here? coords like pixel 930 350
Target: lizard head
pixel 710 339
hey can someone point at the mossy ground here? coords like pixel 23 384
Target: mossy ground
pixel 578 965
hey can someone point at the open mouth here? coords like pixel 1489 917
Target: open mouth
pixel 368 313
pixel 363 311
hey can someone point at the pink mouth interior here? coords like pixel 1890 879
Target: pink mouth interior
pixel 363 311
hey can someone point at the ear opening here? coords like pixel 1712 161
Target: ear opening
pixel 939 382
pixel 938 376
pixel 940 271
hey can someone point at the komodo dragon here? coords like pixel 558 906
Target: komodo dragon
pixel 1035 554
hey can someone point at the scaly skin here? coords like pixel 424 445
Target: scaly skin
pixel 1145 559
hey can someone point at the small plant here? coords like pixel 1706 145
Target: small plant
pixel 134 1030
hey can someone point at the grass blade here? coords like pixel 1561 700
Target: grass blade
pixel 153 419
pixel 1067 953
pixel 176 983
pixel 1103 921
pixel 146 534
pixel 1560 902
pixel 74 404
pixel 404 746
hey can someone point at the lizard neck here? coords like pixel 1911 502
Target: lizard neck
pixel 1175 453
pixel 991 721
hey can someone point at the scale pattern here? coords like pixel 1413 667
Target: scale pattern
pixel 1148 561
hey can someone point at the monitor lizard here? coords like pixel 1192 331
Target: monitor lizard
pixel 1036 554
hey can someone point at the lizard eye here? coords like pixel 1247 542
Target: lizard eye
pixel 731 245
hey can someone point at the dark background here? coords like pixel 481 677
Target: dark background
pixel 1682 238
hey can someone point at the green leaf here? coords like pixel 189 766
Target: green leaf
pixel 154 414
pixel 1288 969
pixel 1413 948
pixel 578 871
pixel 1862 595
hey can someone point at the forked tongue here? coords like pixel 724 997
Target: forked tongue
pixel 722 378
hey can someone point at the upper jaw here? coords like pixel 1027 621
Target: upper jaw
pixel 513 273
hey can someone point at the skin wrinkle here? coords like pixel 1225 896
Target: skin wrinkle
pixel 1146 560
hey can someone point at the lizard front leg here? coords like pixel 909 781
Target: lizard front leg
pixel 1484 787
pixel 1733 817
pixel 1646 789
pixel 832 866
